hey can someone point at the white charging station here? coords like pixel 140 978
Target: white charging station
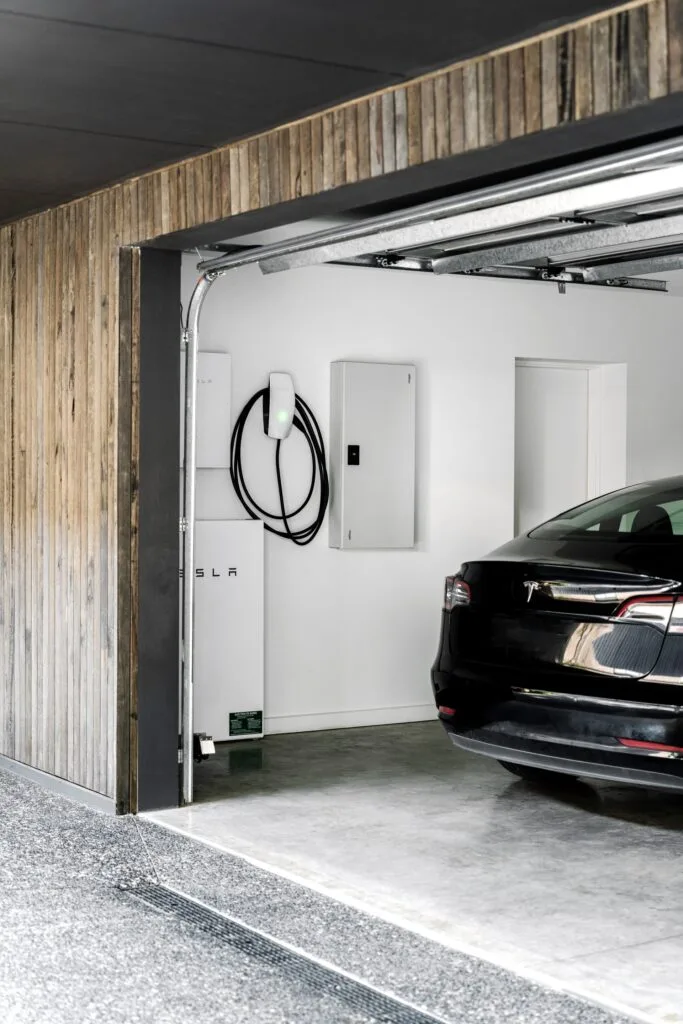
pixel 281 404
pixel 372 455
pixel 229 626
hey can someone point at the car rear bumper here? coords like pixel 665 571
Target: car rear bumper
pixel 622 740
pixel 631 770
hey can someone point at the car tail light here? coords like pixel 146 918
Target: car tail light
pixel 662 748
pixel 449 712
pixel 456 593
pixel 655 611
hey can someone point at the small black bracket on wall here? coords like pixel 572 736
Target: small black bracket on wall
pixel 202 747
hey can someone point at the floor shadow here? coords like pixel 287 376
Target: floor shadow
pixel 375 755
pixel 636 805
pixel 418 755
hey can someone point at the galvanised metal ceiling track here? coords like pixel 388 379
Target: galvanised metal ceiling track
pixel 632 190
pixel 554 275
pixel 562 249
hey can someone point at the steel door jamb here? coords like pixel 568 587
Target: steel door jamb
pixel 191 337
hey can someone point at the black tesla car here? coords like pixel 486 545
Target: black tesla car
pixel 562 652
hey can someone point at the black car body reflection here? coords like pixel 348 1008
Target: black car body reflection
pixel 563 650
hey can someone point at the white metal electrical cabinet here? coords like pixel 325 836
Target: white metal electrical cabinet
pixel 372 455
pixel 229 622
pixel 213 410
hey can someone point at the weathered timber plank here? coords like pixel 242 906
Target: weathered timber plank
pixel 583 74
pixel 456 111
pixel 517 117
pixel 658 49
pixel 428 120
pixel 533 105
pixel 376 144
pixel 549 83
pixel 485 101
pixel 442 126
pixel 400 129
pixel 364 146
pixel 675 34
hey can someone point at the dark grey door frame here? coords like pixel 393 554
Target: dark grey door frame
pixel 148 520
pixel 149 413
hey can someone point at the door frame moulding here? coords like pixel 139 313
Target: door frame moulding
pixel 607 420
pixel 607 427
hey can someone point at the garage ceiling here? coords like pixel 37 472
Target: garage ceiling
pixel 93 91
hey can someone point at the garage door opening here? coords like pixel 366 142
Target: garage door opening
pixel 354 789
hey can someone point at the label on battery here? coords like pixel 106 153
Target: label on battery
pixel 245 723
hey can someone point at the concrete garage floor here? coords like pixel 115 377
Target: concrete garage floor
pixel 579 889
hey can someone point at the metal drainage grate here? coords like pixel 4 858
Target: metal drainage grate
pixel 317 975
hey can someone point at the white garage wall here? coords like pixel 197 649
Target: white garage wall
pixel 350 636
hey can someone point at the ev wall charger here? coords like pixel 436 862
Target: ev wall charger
pixel 280 415
pixel 283 409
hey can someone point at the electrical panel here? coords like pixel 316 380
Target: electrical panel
pixel 229 629
pixel 372 455
pixel 213 410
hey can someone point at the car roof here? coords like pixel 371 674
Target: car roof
pixel 665 483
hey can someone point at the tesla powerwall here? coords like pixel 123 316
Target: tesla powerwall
pixel 372 455
pixel 228 637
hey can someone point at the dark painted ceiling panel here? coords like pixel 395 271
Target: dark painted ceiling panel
pixel 92 91
pixel 394 36
pixel 51 160
pixel 14 203
pixel 163 89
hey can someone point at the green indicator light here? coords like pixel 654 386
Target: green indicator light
pixel 282 416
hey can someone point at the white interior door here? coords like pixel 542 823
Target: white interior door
pixel 551 442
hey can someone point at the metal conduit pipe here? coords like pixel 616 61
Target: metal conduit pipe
pixel 191 340
pixel 639 160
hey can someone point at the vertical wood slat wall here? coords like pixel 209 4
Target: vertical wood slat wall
pixel 67 503
pixel 58 359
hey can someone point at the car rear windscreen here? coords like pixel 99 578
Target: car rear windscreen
pixel 646 511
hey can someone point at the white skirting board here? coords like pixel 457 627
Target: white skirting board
pixel 62 787
pixel 318 722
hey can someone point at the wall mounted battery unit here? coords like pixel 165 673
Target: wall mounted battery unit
pixel 229 639
pixel 372 455
pixel 213 410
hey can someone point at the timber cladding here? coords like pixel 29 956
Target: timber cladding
pixel 58 459
pixel 68 386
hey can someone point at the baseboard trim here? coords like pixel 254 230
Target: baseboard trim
pixel 62 787
pixel 324 720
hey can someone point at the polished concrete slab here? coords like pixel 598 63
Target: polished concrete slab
pixel 77 945
pixel 578 888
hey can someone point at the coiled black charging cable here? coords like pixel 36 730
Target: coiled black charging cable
pixel 305 421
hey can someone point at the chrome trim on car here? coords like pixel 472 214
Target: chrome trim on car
pixel 597 593
pixel 569 766
pixel 608 702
